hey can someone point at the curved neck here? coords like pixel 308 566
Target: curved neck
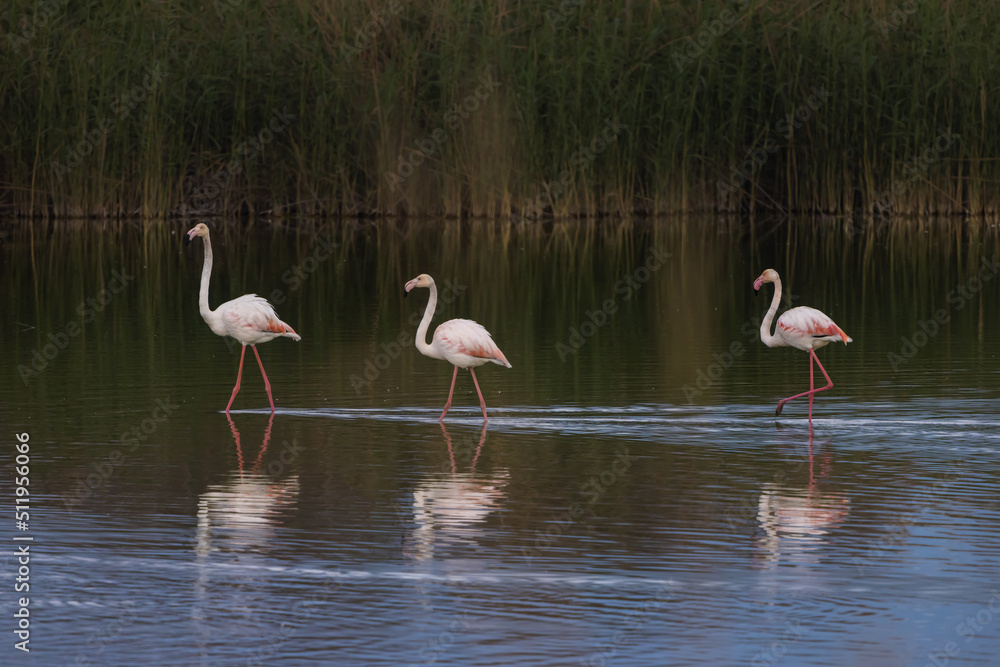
pixel 206 274
pixel 426 322
pixel 766 336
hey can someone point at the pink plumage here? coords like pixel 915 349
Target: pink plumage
pixel 466 343
pixel 462 343
pixel 802 327
pixel 249 319
pixel 809 329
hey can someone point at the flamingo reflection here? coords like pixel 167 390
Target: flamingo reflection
pixel 450 509
pixel 238 520
pixel 796 519
pixel 242 511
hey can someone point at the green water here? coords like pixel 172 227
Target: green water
pixel 631 496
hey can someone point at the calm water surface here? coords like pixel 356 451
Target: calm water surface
pixel 632 502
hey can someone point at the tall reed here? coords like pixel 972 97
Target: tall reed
pixel 497 110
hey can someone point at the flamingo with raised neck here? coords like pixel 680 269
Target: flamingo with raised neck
pixel 463 343
pixel 805 328
pixel 250 319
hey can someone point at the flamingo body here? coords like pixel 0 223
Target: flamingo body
pixel 250 319
pixel 462 343
pixel 466 344
pixel 802 327
pixel 808 329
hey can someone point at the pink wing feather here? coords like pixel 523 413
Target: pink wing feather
pixel 469 338
pixel 255 313
pixel 805 321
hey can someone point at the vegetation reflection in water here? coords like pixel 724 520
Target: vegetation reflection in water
pixel 599 482
pixel 580 308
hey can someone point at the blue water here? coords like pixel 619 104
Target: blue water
pixel 603 517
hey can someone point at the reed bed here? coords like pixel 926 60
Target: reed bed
pixel 508 110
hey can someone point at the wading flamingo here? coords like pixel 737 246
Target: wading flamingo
pixel 802 327
pixel 463 343
pixel 250 319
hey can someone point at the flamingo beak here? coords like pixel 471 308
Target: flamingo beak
pixel 409 286
pixel 188 237
pixel 756 285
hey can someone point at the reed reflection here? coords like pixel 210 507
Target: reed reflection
pixel 797 516
pixel 450 509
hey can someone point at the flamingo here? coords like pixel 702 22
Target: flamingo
pixel 802 327
pixel 250 319
pixel 464 343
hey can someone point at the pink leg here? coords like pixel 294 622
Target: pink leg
pixel 267 385
pixel 482 402
pixel 812 388
pixel 482 441
pixel 450 393
pixel 263 446
pixel 829 383
pixel 812 479
pixel 239 375
pixel 447 439
pixel 236 436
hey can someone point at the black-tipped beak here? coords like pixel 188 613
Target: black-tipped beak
pixel 187 240
pixel 756 291
pixel 405 293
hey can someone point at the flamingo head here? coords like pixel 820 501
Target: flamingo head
pixel 423 280
pixel 769 276
pixel 201 229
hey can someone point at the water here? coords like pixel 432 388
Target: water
pixel 633 501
